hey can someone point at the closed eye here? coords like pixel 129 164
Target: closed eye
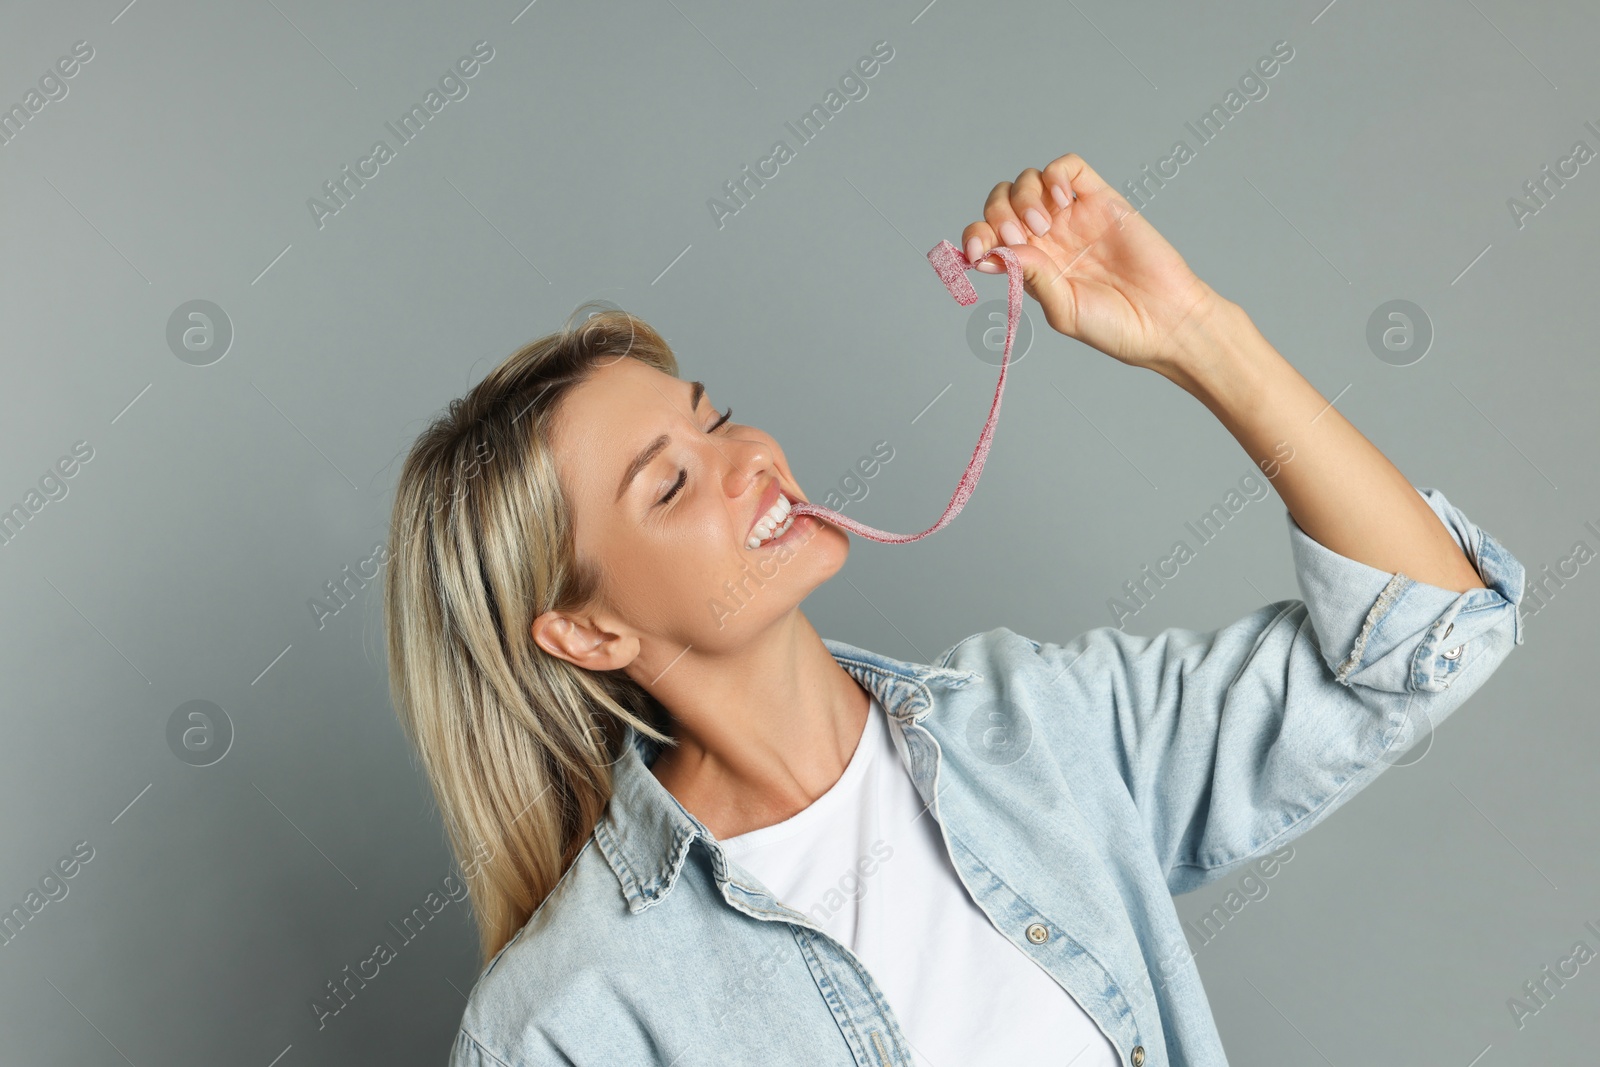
pixel 683 475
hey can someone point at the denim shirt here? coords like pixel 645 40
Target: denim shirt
pixel 1077 786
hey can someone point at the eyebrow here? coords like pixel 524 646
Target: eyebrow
pixel 653 449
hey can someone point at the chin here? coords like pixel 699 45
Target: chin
pixel 822 553
pixel 773 583
pixel 837 548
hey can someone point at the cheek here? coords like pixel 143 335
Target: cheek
pixel 680 563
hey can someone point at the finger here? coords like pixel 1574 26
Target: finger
pixel 1074 178
pixel 977 240
pixel 997 212
pixel 1089 193
pixel 1028 201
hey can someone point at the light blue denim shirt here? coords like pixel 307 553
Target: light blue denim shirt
pixel 1077 787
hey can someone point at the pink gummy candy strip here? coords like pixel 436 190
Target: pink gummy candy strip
pixel 951 264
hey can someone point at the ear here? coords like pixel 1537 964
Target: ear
pixel 580 642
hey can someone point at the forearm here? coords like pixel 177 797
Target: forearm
pixel 1339 487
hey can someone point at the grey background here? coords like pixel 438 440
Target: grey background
pixel 220 498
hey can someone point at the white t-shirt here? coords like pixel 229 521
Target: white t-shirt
pixel 868 864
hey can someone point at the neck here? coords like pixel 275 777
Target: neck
pixel 761 731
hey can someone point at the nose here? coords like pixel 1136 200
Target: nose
pixel 748 459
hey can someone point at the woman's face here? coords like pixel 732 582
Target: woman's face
pixel 665 494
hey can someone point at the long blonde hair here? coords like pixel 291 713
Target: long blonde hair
pixel 517 744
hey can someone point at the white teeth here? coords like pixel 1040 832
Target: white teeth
pixel 776 520
pixel 758 542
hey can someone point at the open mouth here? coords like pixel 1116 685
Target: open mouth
pixel 775 525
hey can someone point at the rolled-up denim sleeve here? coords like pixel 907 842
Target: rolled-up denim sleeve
pixel 1233 742
pixel 1385 631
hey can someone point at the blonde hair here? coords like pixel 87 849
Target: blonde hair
pixel 517 744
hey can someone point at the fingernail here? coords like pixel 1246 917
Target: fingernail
pixel 1037 220
pixel 974 250
pixel 989 266
pixel 1012 233
pixel 1060 194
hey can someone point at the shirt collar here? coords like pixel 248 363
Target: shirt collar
pixel 645 833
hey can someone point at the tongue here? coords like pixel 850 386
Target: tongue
pixel 951 264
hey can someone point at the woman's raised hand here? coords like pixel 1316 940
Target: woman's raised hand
pixel 1100 272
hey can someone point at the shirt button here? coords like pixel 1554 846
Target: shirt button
pixel 1137 1056
pixel 1454 653
pixel 1038 934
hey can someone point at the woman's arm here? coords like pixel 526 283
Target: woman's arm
pixel 1235 741
pixel 1104 276
pixel 1340 489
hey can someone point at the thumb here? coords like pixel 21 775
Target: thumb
pixel 1039 271
pixel 1036 265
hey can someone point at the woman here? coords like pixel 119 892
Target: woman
pixel 696 834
